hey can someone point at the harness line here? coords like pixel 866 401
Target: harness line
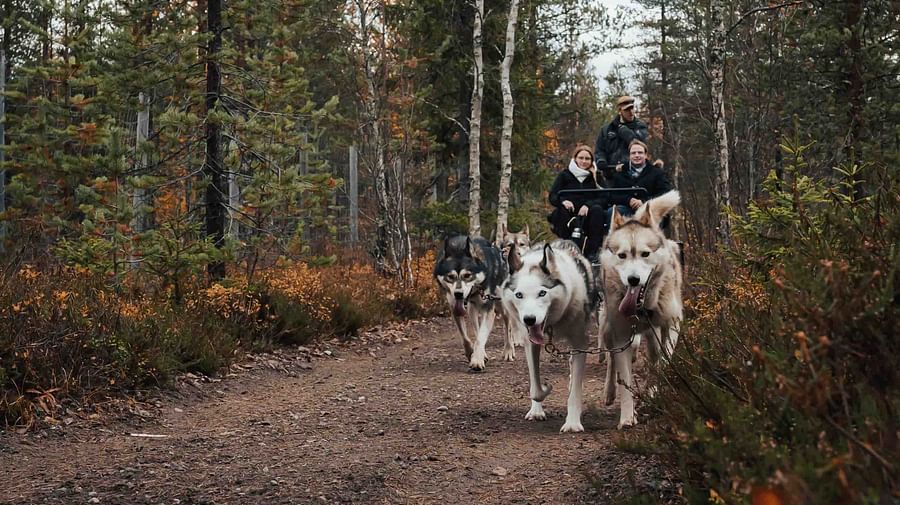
pixel 635 319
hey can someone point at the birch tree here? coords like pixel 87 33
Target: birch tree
pixel 392 245
pixel 508 106
pixel 371 38
pixel 716 62
pixel 475 124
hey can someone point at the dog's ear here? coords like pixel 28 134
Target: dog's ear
pixel 446 246
pixel 662 205
pixel 548 264
pixel 525 231
pixel 644 216
pixel 616 221
pixel 515 262
pixel 473 250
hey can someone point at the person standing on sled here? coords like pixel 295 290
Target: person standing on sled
pixel 612 143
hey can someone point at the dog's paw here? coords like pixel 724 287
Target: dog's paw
pixel 572 427
pixel 476 364
pixel 509 354
pixel 627 422
pixel 536 413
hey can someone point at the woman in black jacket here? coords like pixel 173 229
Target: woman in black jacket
pixel 584 211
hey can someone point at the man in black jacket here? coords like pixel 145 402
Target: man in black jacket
pixel 614 138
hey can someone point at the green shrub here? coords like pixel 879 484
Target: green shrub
pixel 438 220
pixel 785 383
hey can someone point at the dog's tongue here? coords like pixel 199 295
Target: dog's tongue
pixel 536 334
pixel 628 307
pixel 459 308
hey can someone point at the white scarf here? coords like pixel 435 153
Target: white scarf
pixel 634 171
pixel 579 173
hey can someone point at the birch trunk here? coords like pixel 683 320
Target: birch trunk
pixel 373 141
pixel 717 91
pixel 506 136
pixel 392 248
pixel 475 125
pixel 675 133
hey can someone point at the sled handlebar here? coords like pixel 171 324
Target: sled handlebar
pixel 639 193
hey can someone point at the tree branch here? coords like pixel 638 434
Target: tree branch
pixel 754 11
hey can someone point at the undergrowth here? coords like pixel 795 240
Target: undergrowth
pixel 72 334
pixel 784 388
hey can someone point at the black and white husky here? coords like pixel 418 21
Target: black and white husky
pixel 641 281
pixel 551 292
pixel 470 272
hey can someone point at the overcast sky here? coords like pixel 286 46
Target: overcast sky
pixel 602 63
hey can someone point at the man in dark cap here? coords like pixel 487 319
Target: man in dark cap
pixel 612 143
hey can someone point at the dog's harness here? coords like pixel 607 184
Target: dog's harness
pixel 485 296
pixel 553 350
pixel 641 313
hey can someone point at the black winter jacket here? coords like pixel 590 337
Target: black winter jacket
pixel 652 178
pixel 612 143
pixel 566 180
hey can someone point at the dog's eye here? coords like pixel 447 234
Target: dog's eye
pixel 645 254
pixel 542 292
pixel 623 255
pixel 451 276
pixel 519 295
pixel 466 276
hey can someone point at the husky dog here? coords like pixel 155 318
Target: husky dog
pixel 505 242
pixel 470 272
pixel 550 292
pixel 506 239
pixel 641 283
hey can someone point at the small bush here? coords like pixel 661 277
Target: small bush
pixel 67 334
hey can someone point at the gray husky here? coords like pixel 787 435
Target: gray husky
pixel 641 282
pixel 469 273
pixel 551 292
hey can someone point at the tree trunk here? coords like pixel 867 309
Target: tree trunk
pixel 717 92
pixel 506 136
pixel 2 144
pixel 140 199
pixel 855 91
pixel 679 228
pixel 216 187
pixel 475 125
pixel 375 155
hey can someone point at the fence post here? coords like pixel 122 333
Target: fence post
pixel 2 148
pixel 139 199
pixel 354 196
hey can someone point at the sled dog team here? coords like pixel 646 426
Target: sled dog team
pixel 548 291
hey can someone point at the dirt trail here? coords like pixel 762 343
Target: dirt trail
pixel 397 418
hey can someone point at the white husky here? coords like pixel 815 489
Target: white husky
pixel 641 283
pixel 551 294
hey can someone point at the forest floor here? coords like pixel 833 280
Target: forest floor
pixel 395 416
